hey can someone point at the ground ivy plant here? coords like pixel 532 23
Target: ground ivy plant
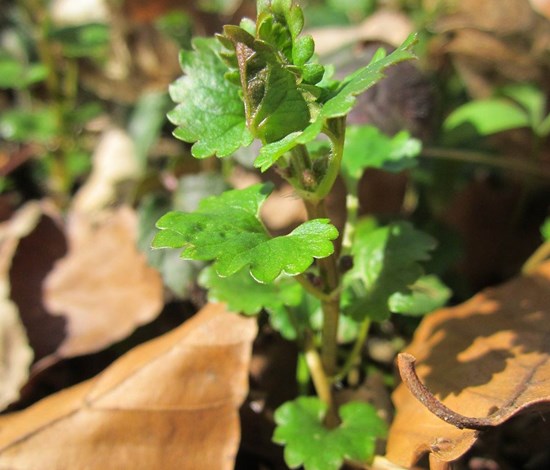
pixel 261 81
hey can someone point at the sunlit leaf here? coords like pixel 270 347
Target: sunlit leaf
pixel 386 261
pixel 309 443
pixel 339 103
pixel 210 113
pixel 426 294
pixel 274 105
pixel 226 229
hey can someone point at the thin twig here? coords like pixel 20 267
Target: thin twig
pixel 407 370
pixel 508 164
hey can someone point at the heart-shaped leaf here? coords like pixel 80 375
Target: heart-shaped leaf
pixel 309 443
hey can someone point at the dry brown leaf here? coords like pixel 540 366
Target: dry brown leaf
pixel 541 6
pixel 21 264
pixel 171 403
pixel 15 353
pixel 502 16
pixel 491 42
pixel 103 287
pixel 114 163
pixel 387 26
pixel 489 356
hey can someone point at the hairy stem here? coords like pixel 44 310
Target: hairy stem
pixel 330 281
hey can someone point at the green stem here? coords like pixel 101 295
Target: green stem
pixel 311 289
pixel 336 132
pixel 351 361
pixel 315 365
pixel 330 279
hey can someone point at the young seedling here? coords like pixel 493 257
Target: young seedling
pixel 261 80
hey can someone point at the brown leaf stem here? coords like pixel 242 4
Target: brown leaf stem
pixel 407 370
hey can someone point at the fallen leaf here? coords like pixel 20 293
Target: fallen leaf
pixel 15 353
pixel 171 403
pixel 502 16
pixel 141 58
pixel 114 163
pixel 30 242
pixel 388 26
pixel 103 286
pixel 65 12
pixel 541 6
pixel 488 357
pixel 490 42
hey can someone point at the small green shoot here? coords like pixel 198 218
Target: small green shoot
pixel 261 80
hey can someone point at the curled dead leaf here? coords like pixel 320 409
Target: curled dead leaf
pixel 103 287
pixel 171 403
pixel 22 268
pixel 486 358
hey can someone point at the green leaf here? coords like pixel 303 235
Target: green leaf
pixel 386 261
pixel 361 80
pixel 427 294
pixel 210 113
pixel 339 103
pixel 83 40
pixel 221 7
pixel 274 104
pixel 545 229
pixel 40 125
pixel 354 8
pixel 243 294
pixel 489 116
pixel 298 317
pixel 178 275
pixel 530 98
pixel 15 74
pixel 307 442
pixel 227 229
pixel 146 122
pixel 368 147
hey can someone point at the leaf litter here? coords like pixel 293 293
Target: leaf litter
pixel 170 403
pixel 488 358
